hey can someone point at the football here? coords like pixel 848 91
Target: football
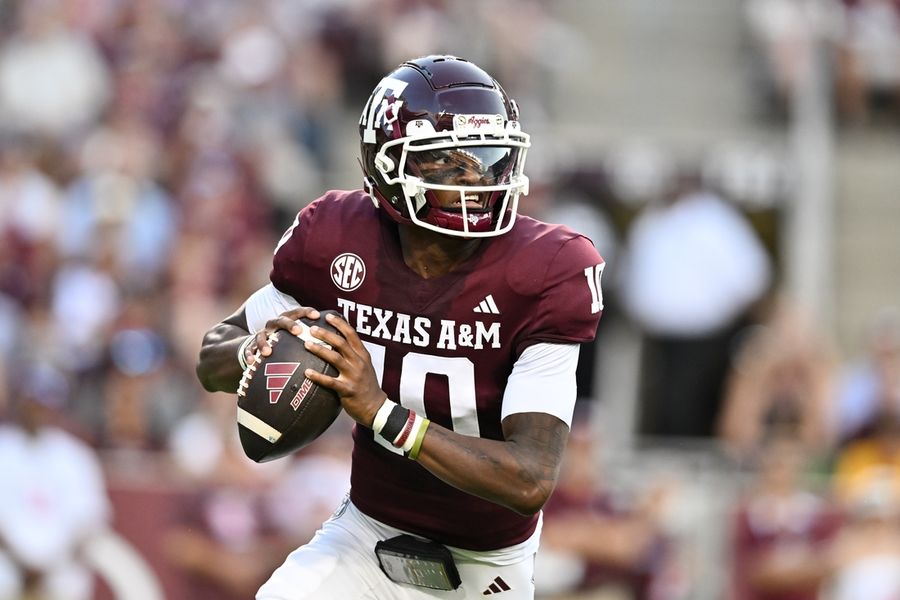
pixel 280 410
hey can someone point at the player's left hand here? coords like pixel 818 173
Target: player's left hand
pixel 356 383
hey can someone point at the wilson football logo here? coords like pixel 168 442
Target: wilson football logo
pixel 348 271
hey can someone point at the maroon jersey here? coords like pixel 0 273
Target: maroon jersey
pixel 443 346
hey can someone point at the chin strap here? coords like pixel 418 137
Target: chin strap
pixel 369 188
pixel 477 221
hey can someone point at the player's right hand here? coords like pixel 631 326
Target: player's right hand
pixel 287 321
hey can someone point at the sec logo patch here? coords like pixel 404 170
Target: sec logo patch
pixel 348 271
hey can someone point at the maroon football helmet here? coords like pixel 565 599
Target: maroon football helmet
pixel 442 124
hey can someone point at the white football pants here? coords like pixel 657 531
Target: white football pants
pixel 339 563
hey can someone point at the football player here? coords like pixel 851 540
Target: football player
pixel 460 335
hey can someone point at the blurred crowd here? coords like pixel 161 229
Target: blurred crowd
pixel 151 153
pixel 859 41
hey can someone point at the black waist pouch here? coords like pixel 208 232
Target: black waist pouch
pixel 412 560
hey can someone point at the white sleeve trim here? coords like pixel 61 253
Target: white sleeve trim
pixel 543 380
pixel 264 304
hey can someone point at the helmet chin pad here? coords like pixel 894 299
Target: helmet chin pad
pixel 477 221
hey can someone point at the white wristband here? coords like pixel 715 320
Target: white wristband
pixel 382 415
pixel 242 351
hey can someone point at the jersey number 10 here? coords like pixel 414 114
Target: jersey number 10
pixel 460 373
pixel 593 275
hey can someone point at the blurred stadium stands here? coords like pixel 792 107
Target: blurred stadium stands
pixel 152 151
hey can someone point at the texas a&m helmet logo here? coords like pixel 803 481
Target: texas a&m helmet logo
pixel 348 271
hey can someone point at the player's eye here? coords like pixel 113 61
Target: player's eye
pixel 433 160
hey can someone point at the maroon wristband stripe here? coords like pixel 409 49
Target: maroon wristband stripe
pixel 401 439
